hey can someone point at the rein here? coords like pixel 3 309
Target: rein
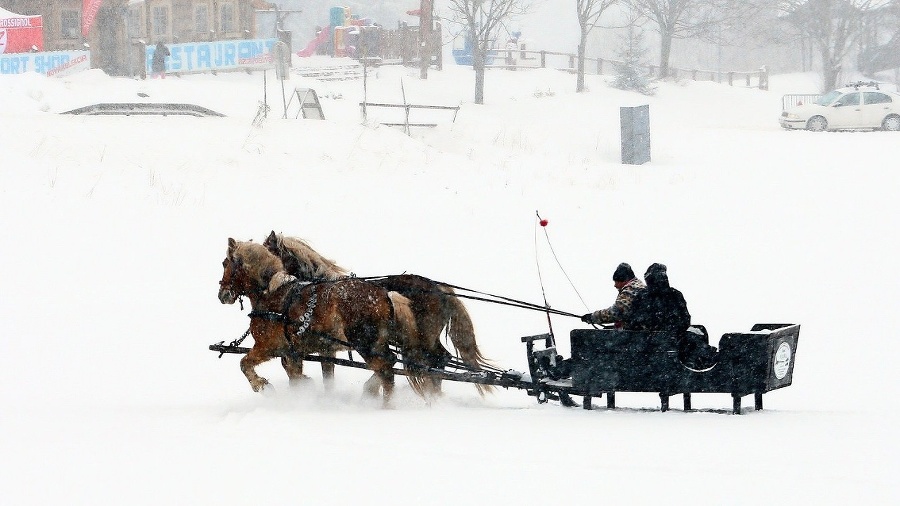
pixel 489 297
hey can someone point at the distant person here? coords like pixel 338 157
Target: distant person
pixel 158 64
pixel 619 313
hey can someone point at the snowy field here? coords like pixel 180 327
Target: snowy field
pixel 115 228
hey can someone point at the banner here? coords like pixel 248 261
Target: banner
pixel 219 55
pixel 19 33
pixel 54 63
pixel 89 10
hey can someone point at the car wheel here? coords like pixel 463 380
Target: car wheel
pixel 817 124
pixel 891 123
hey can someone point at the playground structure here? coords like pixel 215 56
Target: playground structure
pixel 349 35
pixel 345 35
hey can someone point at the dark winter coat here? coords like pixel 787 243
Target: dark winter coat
pixel 620 312
pixel 659 307
pixel 158 64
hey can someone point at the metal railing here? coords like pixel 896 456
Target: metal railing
pixel 795 99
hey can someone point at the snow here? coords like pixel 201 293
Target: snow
pixel 115 228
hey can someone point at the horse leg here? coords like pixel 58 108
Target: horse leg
pixel 383 375
pixel 328 375
pixel 248 366
pixel 294 370
pixel 383 370
pixel 372 386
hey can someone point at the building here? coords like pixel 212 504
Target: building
pixel 175 21
pixel 122 28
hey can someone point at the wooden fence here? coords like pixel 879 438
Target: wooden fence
pixel 515 59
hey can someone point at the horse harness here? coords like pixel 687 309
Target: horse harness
pixel 303 323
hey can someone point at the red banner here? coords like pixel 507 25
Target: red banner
pixel 89 10
pixel 21 34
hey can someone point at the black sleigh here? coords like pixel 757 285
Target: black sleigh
pixel 606 361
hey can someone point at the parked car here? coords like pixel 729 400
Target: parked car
pixel 856 106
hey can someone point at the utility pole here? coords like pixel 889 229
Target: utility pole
pixel 426 22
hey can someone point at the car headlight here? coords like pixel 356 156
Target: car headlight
pixel 790 115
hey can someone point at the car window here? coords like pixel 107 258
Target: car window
pixel 848 99
pixel 871 97
pixel 828 98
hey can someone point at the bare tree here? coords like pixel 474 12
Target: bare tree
pixel 482 19
pixel 589 12
pixel 681 19
pixel 834 26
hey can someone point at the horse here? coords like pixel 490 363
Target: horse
pixel 290 318
pixel 435 305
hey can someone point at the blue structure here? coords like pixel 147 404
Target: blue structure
pixel 464 56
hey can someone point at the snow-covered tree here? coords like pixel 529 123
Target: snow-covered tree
pixel 834 26
pixel 631 73
pixel 589 12
pixel 482 19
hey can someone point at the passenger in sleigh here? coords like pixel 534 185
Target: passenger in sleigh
pixel 663 308
pixel 655 306
pixel 629 286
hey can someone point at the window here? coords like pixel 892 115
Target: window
pixel 227 11
pixel 160 21
pixel 201 18
pixel 877 98
pixel 70 24
pixel 848 99
pixel 828 98
pixel 135 30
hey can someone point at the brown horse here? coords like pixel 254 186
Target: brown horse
pixel 434 305
pixel 290 318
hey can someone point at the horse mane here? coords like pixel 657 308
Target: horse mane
pixel 309 263
pixel 264 268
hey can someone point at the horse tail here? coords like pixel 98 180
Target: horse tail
pixel 462 334
pixel 406 334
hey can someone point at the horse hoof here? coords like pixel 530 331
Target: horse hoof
pixel 258 385
pixel 300 382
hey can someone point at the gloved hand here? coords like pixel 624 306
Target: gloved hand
pixel 588 318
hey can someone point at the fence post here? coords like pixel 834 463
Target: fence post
pixel 694 75
pixel 764 78
pixel 599 66
pixel 571 61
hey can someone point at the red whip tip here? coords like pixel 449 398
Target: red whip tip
pixel 544 223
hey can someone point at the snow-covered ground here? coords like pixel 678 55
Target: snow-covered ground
pixel 114 230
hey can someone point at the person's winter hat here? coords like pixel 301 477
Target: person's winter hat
pixel 656 276
pixel 623 273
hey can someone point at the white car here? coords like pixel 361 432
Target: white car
pixel 859 106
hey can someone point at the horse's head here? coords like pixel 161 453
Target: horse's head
pixel 300 260
pixel 248 270
pixel 275 244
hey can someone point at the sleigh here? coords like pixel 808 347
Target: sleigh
pixel 607 361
